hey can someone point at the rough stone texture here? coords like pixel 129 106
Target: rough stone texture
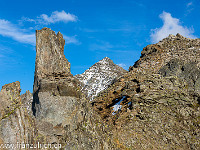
pixel 158 100
pixel 62 112
pixel 16 126
pixel 50 60
pixel 99 76
pixel 156 105
pixel 27 100
pixel 188 71
pixel 83 129
pixel 52 76
pixel 155 56
pixel 10 98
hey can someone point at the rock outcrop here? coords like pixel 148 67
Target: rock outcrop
pixel 17 128
pixel 27 100
pixel 156 105
pixel 155 56
pixel 62 112
pixel 99 76
pixel 55 89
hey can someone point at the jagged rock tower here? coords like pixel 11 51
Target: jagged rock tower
pixel 58 103
pixel 54 85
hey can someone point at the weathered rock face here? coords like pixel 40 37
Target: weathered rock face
pixel 156 105
pixel 27 100
pixel 99 76
pixel 51 67
pixel 188 71
pixel 10 98
pixel 16 126
pixel 50 60
pixel 53 79
pixel 155 56
pixel 63 114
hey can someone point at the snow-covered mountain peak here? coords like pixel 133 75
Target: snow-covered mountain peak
pixel 99 76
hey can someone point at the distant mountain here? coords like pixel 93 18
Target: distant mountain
pixel 99 76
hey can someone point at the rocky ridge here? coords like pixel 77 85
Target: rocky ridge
pixel 99 76
pixel 159 98
pixel 156 105
pixel 155 56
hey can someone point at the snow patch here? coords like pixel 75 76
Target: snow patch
pixel 117 107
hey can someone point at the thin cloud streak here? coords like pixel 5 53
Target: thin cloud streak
pixel 108 47
pixel 122 65
pixel 189 8
pixel 71 40
pixel 189 4
pixel 103 46
pixel 55 17
pixel 8 29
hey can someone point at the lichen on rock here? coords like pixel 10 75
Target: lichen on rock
pixel 16 125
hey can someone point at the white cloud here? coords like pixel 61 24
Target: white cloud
pixel 122 65
pixel 170 26
pixel 8 29
pixel 189 4
pixel 71 39
pixel 55 17
pixel 13 31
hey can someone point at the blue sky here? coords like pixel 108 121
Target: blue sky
pixel 118 29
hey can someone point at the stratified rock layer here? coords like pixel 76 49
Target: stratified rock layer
pixel 99 76
pixel 52 79
pixel 50 60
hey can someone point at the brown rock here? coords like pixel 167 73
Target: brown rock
pixel 16 125
pixel 52 75
pixel 9 98
pixel 158 105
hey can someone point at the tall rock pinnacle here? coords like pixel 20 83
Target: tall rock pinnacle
pixel 53 82
pixel 61 110
pixel 50 60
